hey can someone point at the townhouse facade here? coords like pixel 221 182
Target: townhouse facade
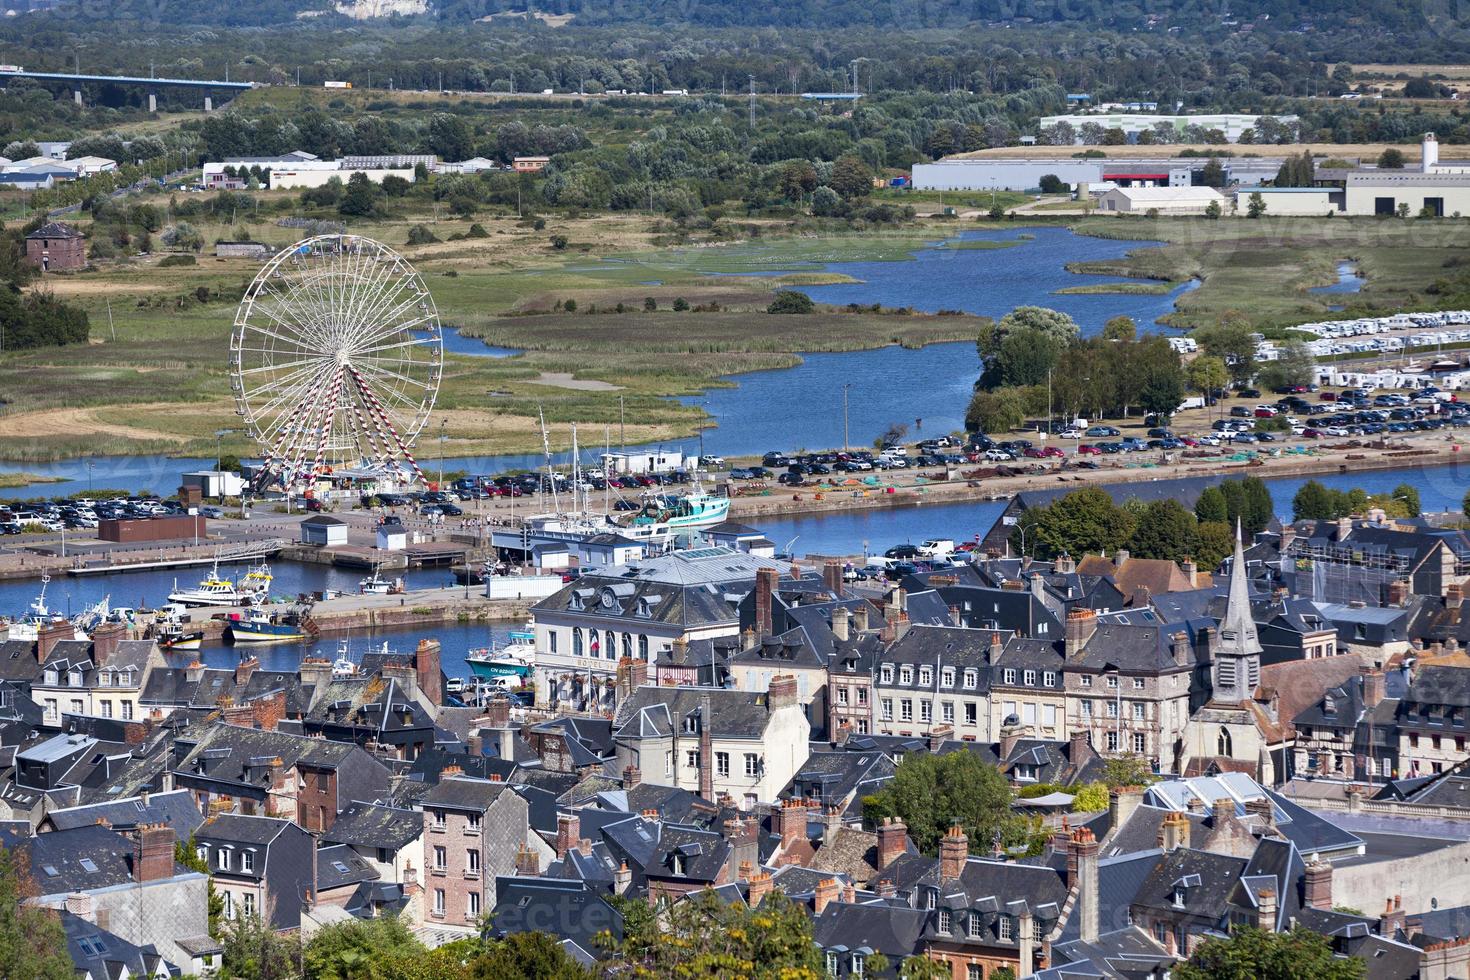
pixel 473 831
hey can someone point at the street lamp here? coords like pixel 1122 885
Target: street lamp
pixel 846 442
pixel 90 465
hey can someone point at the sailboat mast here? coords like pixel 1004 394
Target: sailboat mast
pixel 546 445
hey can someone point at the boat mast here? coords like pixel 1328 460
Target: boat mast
pixel 546 445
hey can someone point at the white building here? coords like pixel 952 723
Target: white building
pixel 1300 201
pixel 1164 200
pixel 299 178
pixel 1232 124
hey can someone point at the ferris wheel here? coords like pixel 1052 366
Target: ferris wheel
pixel 335 361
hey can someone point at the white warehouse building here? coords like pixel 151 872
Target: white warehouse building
pixel 1232 124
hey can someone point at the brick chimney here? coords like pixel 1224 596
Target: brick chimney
pixel 886 888
pixel 938 735
pixel 1266 910
pixel 244 669
pixel 893 841
pixel 841 619
pixel 430 676
pixel 105 639
pixel 632 776
pixel 1454 594
pixel 632 674
pixel 954 850
pixel 153 853
pixel 706 750
pixel 1082 852
pixel 831 823
pixel 790 822
pixel 1222 809
pixel 568 832
pixel 832 577
pixel 1262 808
pixel 782 693
pixel 758 888
pixel 825 895
pixel 1372 686
pixel 51 634
pixel 1191 572
pixel 1391 919
pixel 766 582
pixel 80 905
pixel 497 712
pixel 1398 592
pixel 860 616
pixel 1078 748
pixel 622 878
pixel 1173 832
pixel 1317 885
pixel 997 646
pixel 526 864
pixel 1010 736
pixel 1081 624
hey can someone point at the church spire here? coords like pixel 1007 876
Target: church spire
pixel 1238 658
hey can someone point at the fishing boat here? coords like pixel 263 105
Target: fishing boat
pixel 216 591
pixel 259 626
pixel 683 513
pixel 175 637
pixel 28 627
pixel 374 584
pixel 511 664
pixel 344 665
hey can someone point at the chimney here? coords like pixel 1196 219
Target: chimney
pixel 744 872
pixel 1139 598
pixel 757 889
pixel 1266 910
pixel 894 608
pixel 584 847
pixel 886 888
pixel 825 895
pixel 404 676
pixel 1123 802
pixel 311 895
pixel 1221 809
pixel 1191 572
pixel 832 577
pixel 1081 624
pixel 238 714
pixel 526 864
pixel 430 676
pixel 632 776
pixel 1078 749
pixel 475 742
pixel 244 669
pixel 1398 592
pixel 782 692
pixel 315 673
pixel 153 853
pixel 1010 735
pixel 1082 878
pixel 840 622
pixel 1288 535
pixel 766 582
pixel 1392 918
pixel 997 646
pixel 1120 557
pixel 497 712
pixel 1317 887
pixel 79 904
pixel 1372 686
pixel 506 745
pixel 706 751
pixel 831 824
pixel 105 639
pixel 568 832
pixel 860 617
pixel 893 841
pixel 954 850
pixel 849 893
pixel 1344 528
pixel 938 735
pixel 1025 943
pixel 1454 594
pixel 1182 649
pixel 1038 586
pixel 1064 565
pixel 622 879
pixel 791 822
pixel 51 634
pixel 1173 832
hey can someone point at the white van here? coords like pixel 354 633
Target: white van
pixel 935 547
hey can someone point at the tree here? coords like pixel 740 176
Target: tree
pixel 1213 174
pixel 255 951
pixel 995 411
pixel 705 936
pixel 1210 506
pixel 791 301
pixel 1294 365
pixel 1213 541
pixel 1082 522
pixel 681 305
pixel 352 950
pixel 1163 391
pixel 32 942
pixel 559 242
pixel 450 137
pixel 1391 159
pixel 931 793
pixel 1127 770
pixel 1255 205
pixel 1091 798
pixel 1206 374
pixel 528 955
pixel 1120 328
pixel 851 177
pixel 827 203
pixel 1257 506
pixel 1052 184
pixel 1315 502
pixel 1025 358
pixel 1253 954
pixel 1165 530
pixel 649 304
pixel 421 235
pixel 1230 340
pixel 360 198
pixel 1408 495
pixel 1213 210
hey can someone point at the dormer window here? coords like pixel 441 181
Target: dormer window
pixel 76 678
pixel 975 924
pixel 691 723
pixel 1178 897
pixel 926 676
pixel 946 677
pixel 51 677
pixel 972 678
pixel 1010 675
pixel 885 675
pixel 1003 928
pixel 946 921
pixel 104 678
pixel 906 675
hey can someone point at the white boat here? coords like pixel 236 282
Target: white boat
pixel 343 666
pixel 512 662
pixel 28 627
pixel 374 584
pixel 216 591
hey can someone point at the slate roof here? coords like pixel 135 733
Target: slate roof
pixel 688 853
pixel 56 229
pixel 375 825
pixel 1119 879
pixel 175 809
pixel 893 931
pixel 464 793
pixel 570 909
pixel 98 953
pixel 240 828
pixel 654 712
pixel 1206 880
pixel 339 865
pixel 81 859
pixel 1130 649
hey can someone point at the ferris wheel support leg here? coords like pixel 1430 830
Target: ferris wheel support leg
pixel 397 439
pixel 331 418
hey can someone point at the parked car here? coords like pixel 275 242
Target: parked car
pixel 1088 450
pixel 1101 431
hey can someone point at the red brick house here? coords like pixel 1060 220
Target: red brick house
pixel 55 247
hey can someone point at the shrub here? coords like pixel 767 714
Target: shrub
pixel 681 305
pixel 175 260
pixel 790 301
pixel 421 235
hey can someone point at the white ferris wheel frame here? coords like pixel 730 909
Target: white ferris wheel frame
pixel 336 357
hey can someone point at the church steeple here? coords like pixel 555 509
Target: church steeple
pixel 1238 658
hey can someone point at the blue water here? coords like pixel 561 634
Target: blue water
pixel 1349 280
